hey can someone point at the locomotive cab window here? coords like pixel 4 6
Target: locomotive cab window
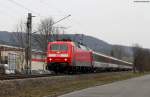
pixel 61 47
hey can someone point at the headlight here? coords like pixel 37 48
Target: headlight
pixel 64 55
pixel 65 59
pixel 50 59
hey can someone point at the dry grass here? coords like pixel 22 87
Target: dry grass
pixel 54 86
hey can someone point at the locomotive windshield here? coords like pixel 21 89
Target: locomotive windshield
pixel 59 47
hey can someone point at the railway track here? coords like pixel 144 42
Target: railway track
pixel 25 76
pixel 19 76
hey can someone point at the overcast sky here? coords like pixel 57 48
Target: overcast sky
pixel 114 21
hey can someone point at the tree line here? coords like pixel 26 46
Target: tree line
pixel 141 62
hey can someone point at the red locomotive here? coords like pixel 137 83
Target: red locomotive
pixel 68 56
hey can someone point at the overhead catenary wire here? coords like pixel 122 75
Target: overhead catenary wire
pixel 22 6
pixel 3 11
pixel 30 10
pixel 59 11
pixel 62 11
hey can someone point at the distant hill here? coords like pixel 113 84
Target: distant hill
pixel 5 37
pixel 92 42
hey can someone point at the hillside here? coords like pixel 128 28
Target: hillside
pixel 122 52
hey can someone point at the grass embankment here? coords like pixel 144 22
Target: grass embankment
pixel 58 85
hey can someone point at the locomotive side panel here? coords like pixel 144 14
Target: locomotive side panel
pixel 83 58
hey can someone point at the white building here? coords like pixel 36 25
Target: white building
pixel 14 59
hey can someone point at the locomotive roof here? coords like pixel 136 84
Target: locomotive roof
pixel 69 42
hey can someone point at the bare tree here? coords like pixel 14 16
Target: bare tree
pixel 19 38
pixel 45 31
pixel 141 58
pixel 19 34
pixel 136 48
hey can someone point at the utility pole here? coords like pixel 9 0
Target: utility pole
pixel 28 51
